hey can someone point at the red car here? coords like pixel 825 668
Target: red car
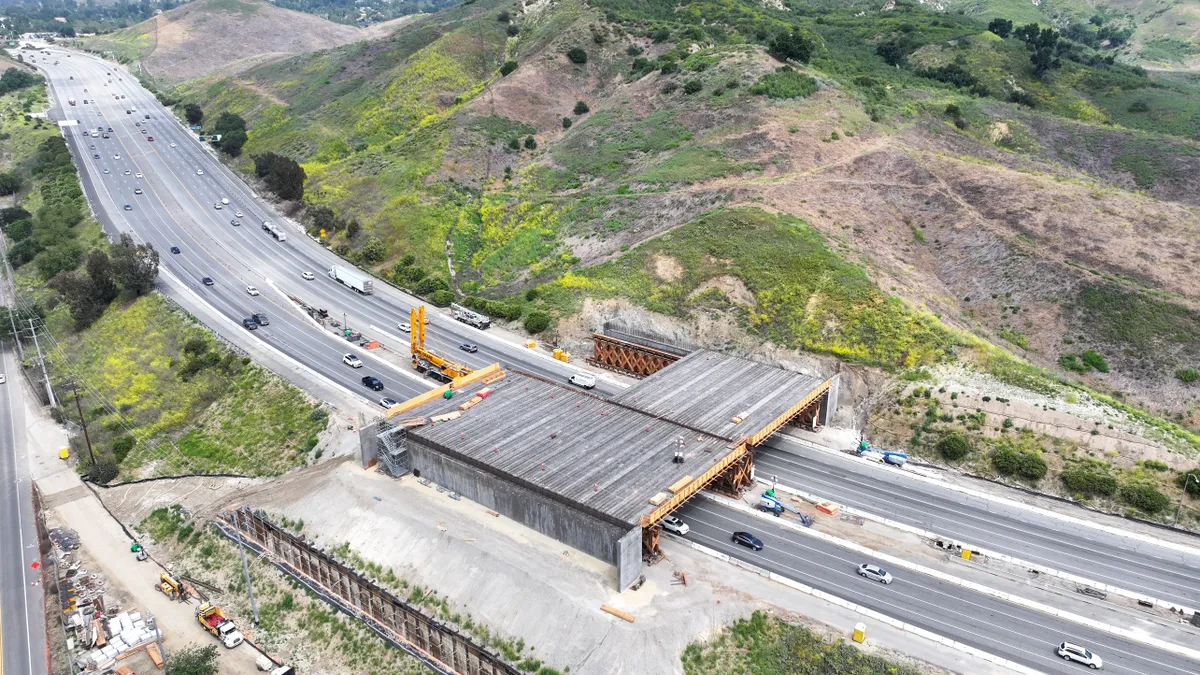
pixel 149 138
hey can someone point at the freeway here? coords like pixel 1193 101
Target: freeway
pixel 1024 636
pixel 182 183
pixel 1108 558
pixel 22 618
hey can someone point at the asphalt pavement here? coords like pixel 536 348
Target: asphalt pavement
pixel 1136 566
pixel 1021 635
pixel 182 183
pixel 22 618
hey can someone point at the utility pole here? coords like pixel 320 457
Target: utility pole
pixel 16 336
pixel 46 375
pixel 237 525
pixel 83 423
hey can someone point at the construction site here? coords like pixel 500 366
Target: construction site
pixel 597 474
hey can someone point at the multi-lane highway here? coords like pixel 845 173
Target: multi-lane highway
pixel 1024 636
pixel 1137 566
pixel 22 619
pixel 181 183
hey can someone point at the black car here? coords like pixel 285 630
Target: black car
pixel 207 281
pixel 96 156
pixel 175 250
pixel 261 319
pixel 748 540
pixel 249 324
pixel 373 383
pixel 468 347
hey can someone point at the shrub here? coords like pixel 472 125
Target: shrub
pixel 577 55
pixel 954 447
pixel 567 122
pixel 530 143
pixel 1006 460
pixel 784 83
pixel 581 108
pixel 1089 479
pixel 513 30
pixel 1144 497
pixel 1032 466
pixel 1187 375
pixel 441 298
pixel 634 50
pixel 952 110
pixel 103 471
pixel 1192 487
pixel 1155 465
pixel 122 446
pixel 669 87
pixel 429 285
pixel 692 87
pixel 793 46
pixel 1093 359
pixel 508 67
pixel 503 17
pixel 537 321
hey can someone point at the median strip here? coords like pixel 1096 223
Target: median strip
pixel 957 581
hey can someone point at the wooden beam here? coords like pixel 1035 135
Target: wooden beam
pixel 617 613
pixel 695 486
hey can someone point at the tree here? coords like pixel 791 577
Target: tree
pixel 14 79
pixel 9 183
pixel 893 51
pixel 232 129
pixel 374 250
pixel 282 175
pixel 135 266
pixel 537 321
pixel 441 298
pixel 12 214
pixel 76 290
pixel 581 108
pixel 1001 27
pixel 508 67
pixel 567 122
pixel 513 30
pixel 792 46
pixel 193 113
pixel 577 55
pixel 100 272
pixel 692 87
pixel 530 143
pixel 232 142
pixel 193 660
pixel 953 447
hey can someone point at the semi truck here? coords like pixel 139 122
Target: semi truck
pixel 272 228
pixel 214 621
pixel 469 317
pixel 352 278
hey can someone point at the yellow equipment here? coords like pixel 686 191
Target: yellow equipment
pixel 170 587
pixel 419 353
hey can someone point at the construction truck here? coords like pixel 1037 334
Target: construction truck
pixel 268 226
pixel 214 621
pixel 352 278
pixel 171 588
pixel 425 361
pixel 469 317
pixel 772 504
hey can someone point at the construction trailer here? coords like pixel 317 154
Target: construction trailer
pixel 599 474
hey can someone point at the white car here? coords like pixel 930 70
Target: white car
pixel 172 145
pixel 106 171
pixel 252 290
pixel 404 326
pixel 218 206
pixel 137 191
pixel 116 157
pixel 225 200
pixel 1074 652
pixel 199 172
pixel 307 276
pixel 138 175
pixel 875 573
pixel 126 172
pixel 674 524
pixel 238 214
pixel 352 361
pixel 2 380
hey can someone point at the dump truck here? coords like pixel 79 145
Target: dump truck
pixel 214 621
pixel 352 278
pixel 271 228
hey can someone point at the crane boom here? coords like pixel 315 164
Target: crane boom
pixel 417 342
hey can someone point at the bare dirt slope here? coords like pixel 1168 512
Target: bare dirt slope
pixel 208 36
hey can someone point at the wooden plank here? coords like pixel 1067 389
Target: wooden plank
pixel 446 417
pixel 659 498
pixel 155 655
pixel 617 613
pixel 679 484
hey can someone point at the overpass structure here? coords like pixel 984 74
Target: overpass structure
pixel 598 473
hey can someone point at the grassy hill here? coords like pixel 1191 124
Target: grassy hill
pixel 910 195
pixel 207 36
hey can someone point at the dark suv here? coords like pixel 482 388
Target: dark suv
pixel 249 324
pixel 373 383
pixel 261 319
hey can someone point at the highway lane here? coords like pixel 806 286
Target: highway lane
pixel 282 261
pixel 22 618
pixel 1021 635
pixel 1111 559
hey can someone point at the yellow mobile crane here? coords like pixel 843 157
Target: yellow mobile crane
pixel 424 360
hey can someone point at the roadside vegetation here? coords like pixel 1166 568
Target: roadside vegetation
pixel 769 645
pixel 159 394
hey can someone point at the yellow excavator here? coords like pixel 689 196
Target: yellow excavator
pixel 425 361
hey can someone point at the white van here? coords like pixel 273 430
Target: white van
pixel 582 379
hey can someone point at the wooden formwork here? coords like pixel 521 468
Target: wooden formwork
pixel 628 357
